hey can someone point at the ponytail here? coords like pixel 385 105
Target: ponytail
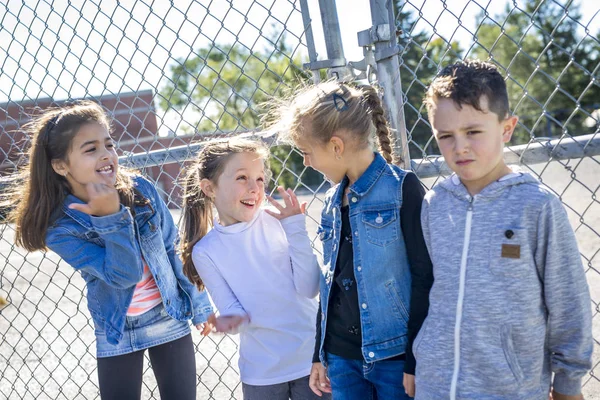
pixel 197 218
pixel 382 128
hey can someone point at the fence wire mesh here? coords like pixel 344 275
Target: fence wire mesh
pixel 171 74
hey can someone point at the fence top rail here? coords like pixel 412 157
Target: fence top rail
pixel 540 151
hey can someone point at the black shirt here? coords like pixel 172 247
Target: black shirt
pixel 343 335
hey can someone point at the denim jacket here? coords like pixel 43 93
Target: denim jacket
pixel 381 265
pixel 108 252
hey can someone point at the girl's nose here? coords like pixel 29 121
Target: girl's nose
pixel 252 185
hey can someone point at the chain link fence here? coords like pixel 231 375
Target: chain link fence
pixel 173 74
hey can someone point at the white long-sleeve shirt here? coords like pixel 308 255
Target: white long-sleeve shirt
pixel 265 269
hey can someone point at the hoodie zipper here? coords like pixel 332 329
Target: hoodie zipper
pixel 461 296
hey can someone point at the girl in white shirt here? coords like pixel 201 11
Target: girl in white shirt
pixel 257 265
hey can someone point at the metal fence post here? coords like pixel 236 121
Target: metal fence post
pixel 383 35
pixel 336 62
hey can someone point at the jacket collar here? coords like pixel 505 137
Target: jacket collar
pixel 364 184
pixel 453 185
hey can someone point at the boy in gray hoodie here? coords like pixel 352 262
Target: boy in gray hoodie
pixel 510 303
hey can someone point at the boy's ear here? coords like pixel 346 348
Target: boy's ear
pixel 508 127
pixel 207 188
pixel 60 167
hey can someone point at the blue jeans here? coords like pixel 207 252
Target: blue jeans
pixel 360 380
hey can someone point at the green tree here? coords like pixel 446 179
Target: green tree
pixel 551 68
pixel 223 85
pixel 421 57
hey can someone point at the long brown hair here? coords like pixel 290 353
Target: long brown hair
pixel 324 109
pixel 197 207
pixel 38 191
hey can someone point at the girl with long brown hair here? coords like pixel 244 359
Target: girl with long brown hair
pixel 114 228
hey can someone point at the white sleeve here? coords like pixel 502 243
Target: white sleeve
pixel 305 267
pixel 223 297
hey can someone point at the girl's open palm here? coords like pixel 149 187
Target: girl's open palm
pixel 103 200
pixel 292 206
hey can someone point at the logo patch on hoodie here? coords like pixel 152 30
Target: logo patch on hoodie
pixel 511 251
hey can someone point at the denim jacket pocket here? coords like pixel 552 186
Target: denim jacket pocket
pixel 396 301
pixel 381 226
pixel 148 224
pixel 325 234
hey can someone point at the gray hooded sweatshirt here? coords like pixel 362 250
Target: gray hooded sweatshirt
pixel 510 302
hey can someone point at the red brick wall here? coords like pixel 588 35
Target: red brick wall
pixel 135 129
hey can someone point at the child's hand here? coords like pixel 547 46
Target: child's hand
pixel 318 381
pixel 409 384
pixel 557 396
pixel 292 207
pixel 205 328
pixel 103 200
pixel 226 323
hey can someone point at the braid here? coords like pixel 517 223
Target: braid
pixel 381 126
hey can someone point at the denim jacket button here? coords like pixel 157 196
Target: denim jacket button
pixel 359 268
pixel 379 219
pixel 364 306
pixel 371 354
pixel 354 199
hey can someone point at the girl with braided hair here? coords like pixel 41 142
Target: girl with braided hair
pixel 377 272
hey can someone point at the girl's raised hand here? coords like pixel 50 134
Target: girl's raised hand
pixel 292 207
pixel 103 200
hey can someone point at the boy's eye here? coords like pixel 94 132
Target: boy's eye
pixel 440 137
pixel 241 177
pixel 261 179
pixel 473 132
pixel 90 150
pixel 110 145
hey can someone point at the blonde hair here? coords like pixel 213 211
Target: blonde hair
pixel 324 109
pixel 197 207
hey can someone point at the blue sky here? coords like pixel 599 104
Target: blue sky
pixel 100 47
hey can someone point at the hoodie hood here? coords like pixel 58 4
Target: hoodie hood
pixel 453 185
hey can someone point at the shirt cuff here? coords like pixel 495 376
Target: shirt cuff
pixel 565 385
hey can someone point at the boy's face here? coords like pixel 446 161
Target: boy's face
pixel 472 141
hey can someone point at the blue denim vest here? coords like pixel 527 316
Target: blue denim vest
pixel 108 252
pixel 381 264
